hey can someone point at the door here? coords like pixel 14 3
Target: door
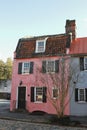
pixel 21 97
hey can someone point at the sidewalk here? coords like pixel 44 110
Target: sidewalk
pixel 24 116
pixel 27 117
pixel 81 119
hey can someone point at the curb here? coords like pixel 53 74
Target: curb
pixel 40 122
pixel 24 120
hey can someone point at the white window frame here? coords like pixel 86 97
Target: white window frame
pixel 23 72
pixel 55 88
pixel 79 90
pixel 47 62
pixel 35 94
pixel 85 63
pixel 44 41
pixel 37 46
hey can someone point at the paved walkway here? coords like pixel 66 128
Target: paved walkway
pixel 26 117
pixel 18 125
pixel 8 118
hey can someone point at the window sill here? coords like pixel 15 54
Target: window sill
pixel 38 102
pixel 83 70
pixel 39 51
pixel 82 102
pixel 50 72
pixel 25 73
pixel 55 98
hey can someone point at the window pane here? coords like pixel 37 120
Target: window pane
pixel 40 46
pixel 85 63
pixel 55 93
pixel 81 95
pixel 39 94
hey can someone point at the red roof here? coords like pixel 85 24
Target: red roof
pixel 79 46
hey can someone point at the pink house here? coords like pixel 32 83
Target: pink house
pixel 36 60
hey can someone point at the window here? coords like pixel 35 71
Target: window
pixel 38 94
pixel 40 46
pixel 83 63
pixel 50 66
pixel 25 68
pixel 81 95
pixel 55 92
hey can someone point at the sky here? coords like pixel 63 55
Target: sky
pixel 25 18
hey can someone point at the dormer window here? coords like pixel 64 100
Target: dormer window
pixel 40 46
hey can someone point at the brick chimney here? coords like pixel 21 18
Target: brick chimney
pixel 70 28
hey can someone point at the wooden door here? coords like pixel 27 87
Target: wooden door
pixel 21 97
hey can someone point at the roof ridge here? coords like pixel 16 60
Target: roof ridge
pixel 42 36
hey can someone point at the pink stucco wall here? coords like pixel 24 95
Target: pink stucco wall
pixel 32 80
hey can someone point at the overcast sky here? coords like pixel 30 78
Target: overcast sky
pixel 23 18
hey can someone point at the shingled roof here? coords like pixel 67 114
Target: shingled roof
pixel 79 46
pixel 55 45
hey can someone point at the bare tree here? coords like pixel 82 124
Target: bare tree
pixel 61 83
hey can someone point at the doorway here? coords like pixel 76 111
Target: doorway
pixel 21 97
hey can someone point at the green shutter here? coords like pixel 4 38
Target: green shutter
pixel 86 94
pixel 31 67
pixel 44 66
pixel 81 63
pixel 76 94
pixel 32 94
pixel 44 94
pixel 57 66
pixel 20 68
